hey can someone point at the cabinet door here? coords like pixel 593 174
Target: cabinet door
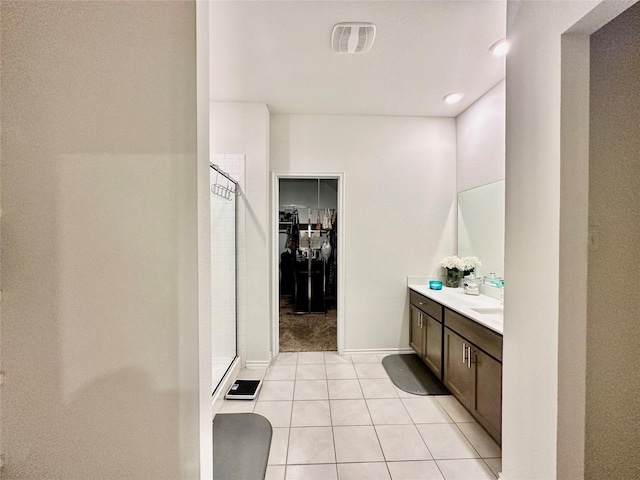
pixel 457 374
pixel 416 332
pixel 433 345
pixel 487 399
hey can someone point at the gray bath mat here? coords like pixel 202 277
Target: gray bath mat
pixel 408 373
pixel 241 443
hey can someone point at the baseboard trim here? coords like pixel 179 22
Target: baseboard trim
pixel 257 364
pixel 218 395
pixel 377 351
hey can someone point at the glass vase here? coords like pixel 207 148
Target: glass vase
pixel 453 277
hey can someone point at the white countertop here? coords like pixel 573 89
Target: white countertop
pixel 455 299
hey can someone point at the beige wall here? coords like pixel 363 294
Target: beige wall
pixel 613 385
pixel 99 267
pixel 399 184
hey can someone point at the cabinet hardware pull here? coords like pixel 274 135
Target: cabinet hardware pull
pixel 469 358
pixel 464 352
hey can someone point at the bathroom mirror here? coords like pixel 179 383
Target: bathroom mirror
pixel 481 226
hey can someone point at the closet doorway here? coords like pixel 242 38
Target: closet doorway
pixel 307 263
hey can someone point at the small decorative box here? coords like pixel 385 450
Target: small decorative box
pixel 435 284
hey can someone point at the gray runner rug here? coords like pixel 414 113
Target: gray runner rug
pixel 241 443
pixel 410 374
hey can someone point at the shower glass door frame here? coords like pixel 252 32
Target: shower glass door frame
pixel 224 331
pixel 275 254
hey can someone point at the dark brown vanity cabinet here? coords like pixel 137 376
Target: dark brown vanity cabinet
pixel 416 333
pixel 473 369
pixel 425 335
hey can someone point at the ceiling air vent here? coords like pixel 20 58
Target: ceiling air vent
pixel 353 37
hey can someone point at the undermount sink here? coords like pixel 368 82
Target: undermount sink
pixel 494 312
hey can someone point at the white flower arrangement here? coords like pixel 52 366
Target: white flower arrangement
pixel 452 263
pixel 470 263
pixel 463 264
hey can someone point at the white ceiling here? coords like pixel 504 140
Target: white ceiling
pixel 279 53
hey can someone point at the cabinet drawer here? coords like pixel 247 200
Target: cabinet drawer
pixel 428 306
pixel 482 337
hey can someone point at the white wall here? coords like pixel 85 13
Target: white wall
pixel 243 128
pixel 530 375
pixel 99 262
pixel 399 198
pixel 480 141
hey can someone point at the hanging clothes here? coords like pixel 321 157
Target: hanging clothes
pixel 332 262
pixel 326 220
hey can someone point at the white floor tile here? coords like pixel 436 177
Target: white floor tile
pixel 310 358
pixel 325 471
pixel 311 413
pixel 363 471
pixel 311 445
pixel 467 469
pixel 276 390
pixel 388 411
pixel 370 370
pixel 286 358
pixel 349 412
pixel 237 406
pixel 311 390
pixel 402 394
pixel 402 442
pixel 495 464
pixel 275 472
pixel 446 441
pixel 415 470
pixel 365 358
pixel 378 388
pixel 279 445
pixel 333 357
pixel 454 408
pixel 357 444
pixel 341 371
pixel 340 417
pixel 311 372
pixel 344 389
pixel 480 440
pixel 426 410
pixel 251 374
pixel 278 413
pixel 281 372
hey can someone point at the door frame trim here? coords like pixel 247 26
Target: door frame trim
pixel 275 254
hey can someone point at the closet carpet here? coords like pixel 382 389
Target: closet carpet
pixel 310 332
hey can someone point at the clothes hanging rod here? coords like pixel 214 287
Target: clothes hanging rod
pixel 222 172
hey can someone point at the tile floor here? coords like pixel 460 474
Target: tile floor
pixel 341 418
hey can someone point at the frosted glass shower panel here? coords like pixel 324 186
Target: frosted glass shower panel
pixel 223 282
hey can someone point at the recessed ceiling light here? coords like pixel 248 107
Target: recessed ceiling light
pixel 500 48
pixel 453 97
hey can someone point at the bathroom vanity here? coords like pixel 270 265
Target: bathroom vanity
pixel 459 337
